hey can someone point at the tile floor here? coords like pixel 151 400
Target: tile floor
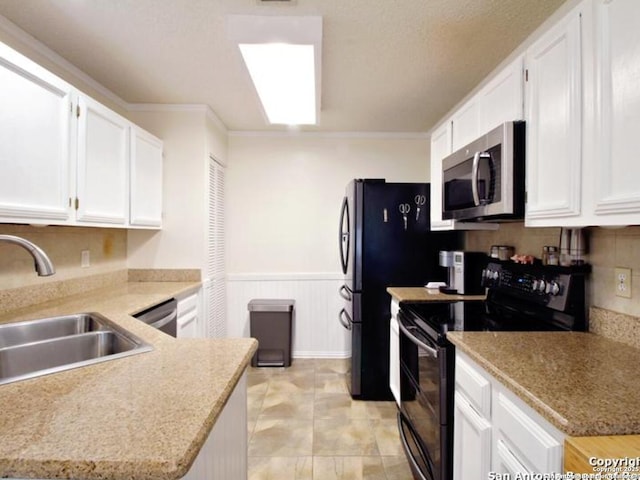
pixel 303 425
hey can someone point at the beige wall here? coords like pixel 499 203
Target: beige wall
pixel 189 136
pixel 107 247
pixel 608 249
pixel 284 195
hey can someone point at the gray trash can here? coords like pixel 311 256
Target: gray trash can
pixel 271 322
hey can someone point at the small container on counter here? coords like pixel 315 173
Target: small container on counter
pixel 550 255
pixel 501 252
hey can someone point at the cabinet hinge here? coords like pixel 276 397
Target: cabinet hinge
pixel 525 197
pixel 526 74
pixel 78 111
pixel 77 203
pixel 70 201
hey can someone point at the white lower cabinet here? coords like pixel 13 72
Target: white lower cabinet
pixel 224 454
pixel 394 352
pixel 472 442
pixel 495 431
pixel 188 324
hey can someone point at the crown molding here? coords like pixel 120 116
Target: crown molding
pixel 30 41
pixel 297 133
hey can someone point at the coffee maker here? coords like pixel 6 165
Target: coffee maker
pixel 464 278
pixel 464 275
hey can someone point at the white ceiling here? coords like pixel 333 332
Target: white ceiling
pixel 387 66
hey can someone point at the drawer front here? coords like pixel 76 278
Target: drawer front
pixel 187 304
pixel 525 434
pixel 473 385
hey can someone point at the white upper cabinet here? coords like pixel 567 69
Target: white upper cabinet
pixel 146 179
pixel 66 159
pixel 35 141
pixel 103 164
pixel 616 169
pixel 465 124
pixel 554 115
pixel 502 99
pixel 440 148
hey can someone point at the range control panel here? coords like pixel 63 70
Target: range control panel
pixel 536 284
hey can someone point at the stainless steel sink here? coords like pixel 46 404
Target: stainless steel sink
pixel 45 328
pixel 40 347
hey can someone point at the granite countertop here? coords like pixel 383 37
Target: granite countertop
pixel 422 294
pixel 583 384
pixel 141 417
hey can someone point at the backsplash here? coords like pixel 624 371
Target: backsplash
pixel 64 246
pixel 607 249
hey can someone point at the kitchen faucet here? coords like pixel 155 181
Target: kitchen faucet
pixel 42 263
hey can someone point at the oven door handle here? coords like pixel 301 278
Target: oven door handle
pixel 407 331
pixel 405 445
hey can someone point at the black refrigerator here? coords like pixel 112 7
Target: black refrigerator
pixel 385 240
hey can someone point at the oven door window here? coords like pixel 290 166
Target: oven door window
pixel 421 392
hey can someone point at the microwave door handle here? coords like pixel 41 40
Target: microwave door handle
pixel 475 176
pixel 474 179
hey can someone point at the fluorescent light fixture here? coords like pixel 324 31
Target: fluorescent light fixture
pixel 284 78
pixel 282 55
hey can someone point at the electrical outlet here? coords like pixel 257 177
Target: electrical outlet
pixel 623 282
pixel 85 259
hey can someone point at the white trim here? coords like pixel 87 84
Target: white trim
pixel 298 133
pixel 278 277
pixel 179 107
pixel 30 41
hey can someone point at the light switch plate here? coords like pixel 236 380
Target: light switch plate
pixel 623 282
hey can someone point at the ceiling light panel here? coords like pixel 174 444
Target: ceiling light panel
pixel 283 56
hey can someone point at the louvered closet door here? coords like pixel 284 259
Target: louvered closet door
pixel 216 291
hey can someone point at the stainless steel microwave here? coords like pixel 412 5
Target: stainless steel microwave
pixel 484 181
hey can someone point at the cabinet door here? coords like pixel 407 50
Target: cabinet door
pixel 501 100
pixel 188 325
pixel 553 115
pixel 465 125
pixel 471 442
pixel 506 462
pixel 103 165
pixel 526 434
pixel 440 148
pixel 617 190
pixel 35 141
pixel 146 179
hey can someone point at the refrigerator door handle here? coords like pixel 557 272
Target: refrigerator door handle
pixel 344 293
pixel 345 323
pixel 345 237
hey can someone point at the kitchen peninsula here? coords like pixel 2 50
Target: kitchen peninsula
pixel 141 417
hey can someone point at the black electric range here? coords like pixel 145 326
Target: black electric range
pixel 519 298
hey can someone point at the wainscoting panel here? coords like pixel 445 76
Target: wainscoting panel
pixel 316 330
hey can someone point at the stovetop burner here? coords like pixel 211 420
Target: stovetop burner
pixel 519 298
